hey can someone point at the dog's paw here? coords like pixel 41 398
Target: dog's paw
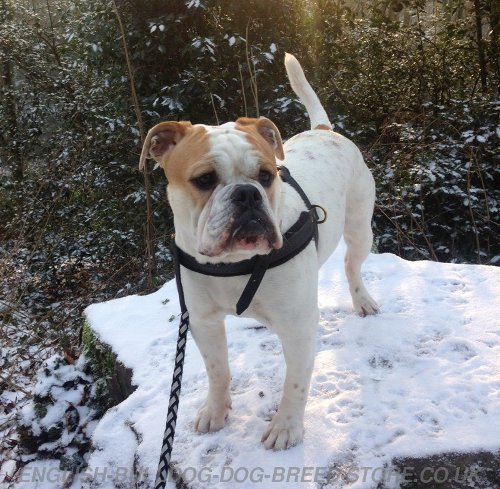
pixel 283 432
pixel 364 305
pixel 211 416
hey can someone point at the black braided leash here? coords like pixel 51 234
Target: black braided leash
pixel 175 389
pixel 296 239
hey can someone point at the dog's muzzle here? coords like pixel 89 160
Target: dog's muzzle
pixel 251 223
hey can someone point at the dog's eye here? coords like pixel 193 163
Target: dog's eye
pixel 265 178
pixel 206 181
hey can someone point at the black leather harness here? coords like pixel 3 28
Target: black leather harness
pixel 295 240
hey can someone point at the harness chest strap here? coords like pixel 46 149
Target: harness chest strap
pixel 295 240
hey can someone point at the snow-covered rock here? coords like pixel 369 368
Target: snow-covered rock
pixel 421 378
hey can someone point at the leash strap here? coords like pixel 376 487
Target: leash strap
pixel 175 389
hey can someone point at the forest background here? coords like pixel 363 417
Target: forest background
pixel 414 83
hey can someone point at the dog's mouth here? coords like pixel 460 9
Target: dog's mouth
pixel 254 232
pixel 255 235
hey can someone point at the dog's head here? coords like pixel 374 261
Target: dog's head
pixel 223 184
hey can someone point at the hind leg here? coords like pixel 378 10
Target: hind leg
pixel 359 238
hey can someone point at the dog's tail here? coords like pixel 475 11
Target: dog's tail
pixel 300 85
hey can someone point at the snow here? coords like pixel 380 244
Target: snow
pixel 421 378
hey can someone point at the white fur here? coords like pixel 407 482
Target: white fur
pixel 331 171
pixel 305 92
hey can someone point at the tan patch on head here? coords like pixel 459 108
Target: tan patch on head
pixel 189 159
pixel 264 135
pixel 181 149
pixel 324 127
pixel 192 149
pixel 161 139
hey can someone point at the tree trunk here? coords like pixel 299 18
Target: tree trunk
pixel 480 45
pixel 148 225
pixel 9 101
pixel 493 9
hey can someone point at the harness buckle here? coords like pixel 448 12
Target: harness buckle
pixel 325 214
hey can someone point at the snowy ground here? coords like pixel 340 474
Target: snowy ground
pixel 421 378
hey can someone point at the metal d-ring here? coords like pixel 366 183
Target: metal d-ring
pixel 325 214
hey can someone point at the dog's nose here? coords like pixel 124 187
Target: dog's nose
pixel 246 195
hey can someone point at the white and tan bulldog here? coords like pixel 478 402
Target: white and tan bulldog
pixel 230 204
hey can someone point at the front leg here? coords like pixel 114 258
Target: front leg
pixel 286 429
pixel 210 337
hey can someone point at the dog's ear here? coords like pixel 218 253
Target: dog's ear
pixel 268 130
pixel 161 139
